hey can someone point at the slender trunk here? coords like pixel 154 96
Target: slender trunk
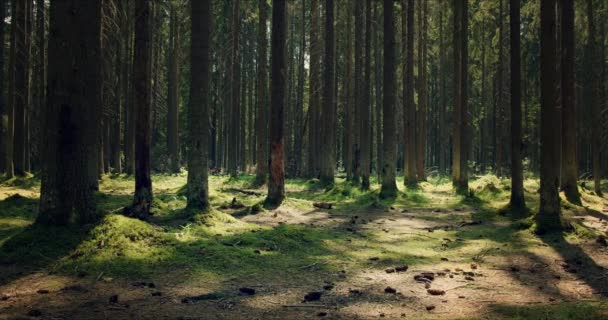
pixel 142 200
pixel 173 86
pixel 276 185
pixel 328 161
pixel 366 127
pixel 235 74
pixel 378 91
pixel 569 110
pixel 198 117
pixel 389 186
pixel 21 86
pixel 410 106
pixel 549 212
pixel 262 98
pixel 422 95
pixel 517 179
pixel 593 99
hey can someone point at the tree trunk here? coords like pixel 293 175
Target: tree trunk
pixel 74 95
pixel 262 98
pixel 276 184
pixel 365 125
pixel 422 95
pixel 410 106
pixel 569 130
pixel 593 99
pixel 328 155
pixel 517 179
pixel 549 212
pixel 314 108
pixel 21 87
pixel 142 200
pixel 129 139
pixel 198 117
pixel 235 74
pixel 173 86
pixel 378 91
pixel 389 150
pixel 460 142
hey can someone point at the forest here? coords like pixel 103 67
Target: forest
pixel 304 159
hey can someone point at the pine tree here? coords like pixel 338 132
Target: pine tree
pixel 389 186
pixel 198 116
pixel 276 184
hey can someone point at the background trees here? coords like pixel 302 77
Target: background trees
pixel 349 109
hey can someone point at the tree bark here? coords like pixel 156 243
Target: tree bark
pixel 142 200
pixel 262 98
pixel 328 155
pixel 366 127
pixel 389 150
pixel 569 110
pixel 21 87
pixel 549 212
pixel 74 95
pixel 460 143
pixel 173 86
pixel 198 118
pixel 593 99
pixel 276 184
pixel 235 74
pixel 422 95
pixel 409 104
pixel 517 179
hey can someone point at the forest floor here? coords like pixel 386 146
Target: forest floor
pixel 428 254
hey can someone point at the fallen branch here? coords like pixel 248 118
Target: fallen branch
pixel 246 192
pixel 323 205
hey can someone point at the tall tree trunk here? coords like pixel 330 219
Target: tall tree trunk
pixel 10 113
pixel 21 88
pixel 276 184
pixel 73 100
pixel 460 139
pixel 569 130
pixel 235 74
pixel 142 200
pixel 349 98
pixel 443 132
pixel 314 108
pixel 422 95
pixel 378 91
pixel 198 117
pixel 549 212
pixel 517 179
pixel 358 125
pixel 593 99
pixel 173 86
pixel 365 125
pixel 328 161
pixel 389 150
pixel 410 106
pixel 299 112
pixel 262 98
pixel 129 139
